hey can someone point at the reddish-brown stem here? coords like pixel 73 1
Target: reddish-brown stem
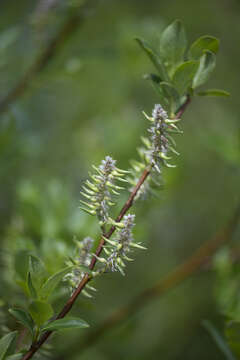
pixel 69 304
pixel 183 108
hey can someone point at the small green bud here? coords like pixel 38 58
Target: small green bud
pixel 122 171
pixel 100 259
pixel 127 258
pixel 111 242
pixel 90 212
pixel 111 185
pixel 87 204
pixel 164 156
pixel 146 142
pixel 91 287
pixel 114 192
pixel 91 186
pixel 173 150
pixel 137 245
pixel 123 180
pixel 170 165
pixel 90 192
pixel 148 117
pixel 85 293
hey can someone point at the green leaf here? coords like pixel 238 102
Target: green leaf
pixel 153 77
pixel 21 263
pixel 5 342
pixel 206 67
pixel 173 43
pixel 66 323
pixel 232 334
pixel 23 285
pixel 172 94
pixel 220 342
pixel 52 282
pixel 183 76
pixel 202 44
pixel 213 92
pixel 162 98
pixel 23 317
pixel 40 311
pixel 170 90
pixel 14 357
pixel 155 82
pixel 155 59
pixel 31 289
pixel 37 271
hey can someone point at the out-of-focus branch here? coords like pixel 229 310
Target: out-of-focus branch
pixel 44 7
pixel 170 281
pixel 71 25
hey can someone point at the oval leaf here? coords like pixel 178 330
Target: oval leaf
pixel 214 92
pixel 23 317
pixel 202 44
pixel 170 90
pixel 162 98
pixel 14 357
pixel 172 94
pixel 37 271
pixel 66 323
pixel 23 285
pixel 31 289
pixel 155 59
pixel 40 311
pixel 52 282
pixel 173 43
pixel 206 67
pixel 21 264
pixel 183 76
pixel 5 342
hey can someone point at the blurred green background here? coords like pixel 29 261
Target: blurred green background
pixel 87 103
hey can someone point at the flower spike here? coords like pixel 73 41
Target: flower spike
pixel 157 147
pixel 81 259
pixel 99 190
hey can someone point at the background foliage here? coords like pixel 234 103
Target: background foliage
pixel 85 104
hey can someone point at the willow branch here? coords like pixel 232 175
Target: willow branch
pixel 87 277
pixel 67 307
pixel 42 60
pixel 183 107
pixel 170 281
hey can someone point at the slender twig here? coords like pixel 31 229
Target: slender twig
pixel 170 281
pixel 87 277
pixel 183 107
pixel 72 23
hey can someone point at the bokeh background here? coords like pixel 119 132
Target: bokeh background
pixel 87 103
